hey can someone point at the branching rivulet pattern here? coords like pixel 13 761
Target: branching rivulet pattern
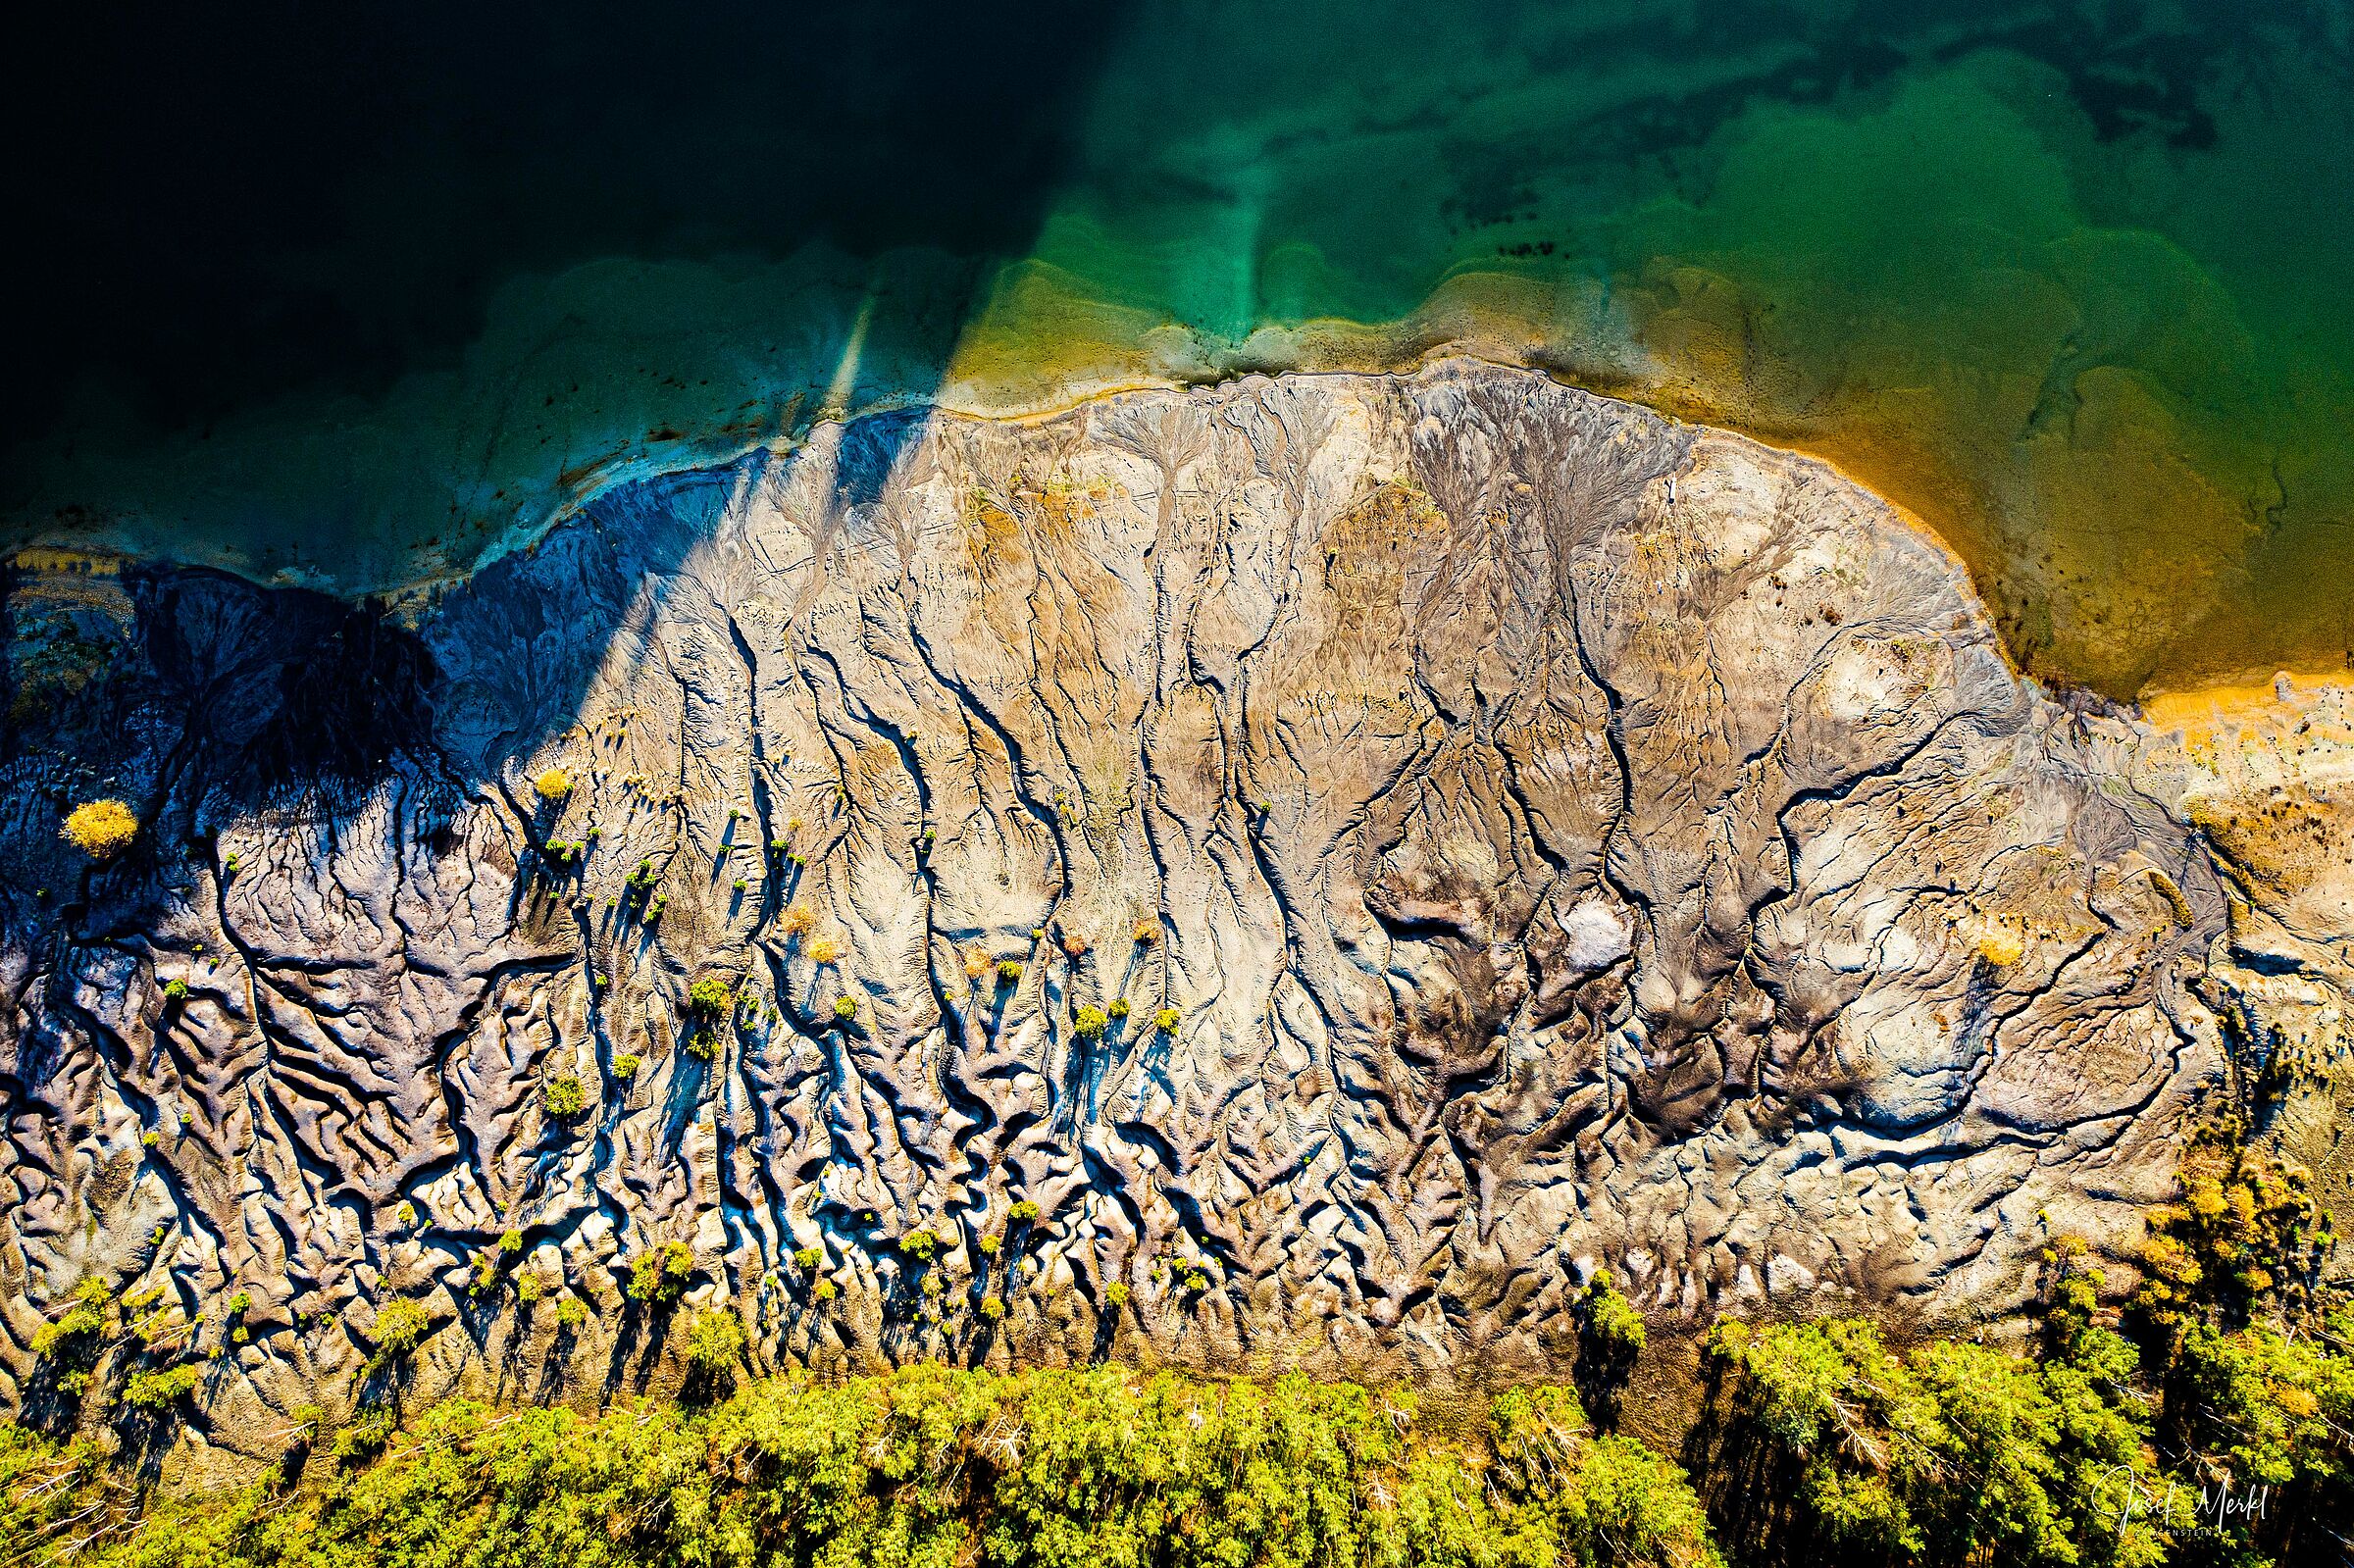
pixel 1301 871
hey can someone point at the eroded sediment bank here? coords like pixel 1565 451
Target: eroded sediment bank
pixel 1290 874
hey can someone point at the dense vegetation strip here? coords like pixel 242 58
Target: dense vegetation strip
pixel 2206 1418
pixel 924 1468
pixel 2208 1421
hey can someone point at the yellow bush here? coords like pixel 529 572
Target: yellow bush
pixel 554 784
pixel 799 920
pixel 100 828
pixel 823 950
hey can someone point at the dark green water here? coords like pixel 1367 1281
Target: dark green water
pixel 2071 281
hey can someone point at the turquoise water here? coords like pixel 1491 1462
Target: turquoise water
pixel 2071 281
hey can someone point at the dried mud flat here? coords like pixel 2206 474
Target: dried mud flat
pixel 1345 855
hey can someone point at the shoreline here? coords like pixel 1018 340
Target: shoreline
pixel 2247 693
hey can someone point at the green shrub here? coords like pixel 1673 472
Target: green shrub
pixel 659 1273
pixel 2250 1351
pixel 510 1241
pixel 240 1303
pixel 990 1246
pixel 710 998
pixel 1949 1452
pixel 1167 1020
pixel 1010 971
pixel 176 990
pixel 74 1337
pixel 808 1258
pixel 564 1096
pixel 2243 1238
pixel 1610 1337
pixel 845 1008
pixel 1022 1213
pixel 401 1327
pixel 1116 1294
pixel 624 1066
pixel 714 1343
pixel 1090 1022
pixel 1605 1501
pixel 1119 1007
pixel 992 1308
pixel 572 1313
pixel 364 1437
pixel 152 1391
pixel 919 1245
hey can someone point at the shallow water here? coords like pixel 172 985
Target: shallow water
pixel 2068 281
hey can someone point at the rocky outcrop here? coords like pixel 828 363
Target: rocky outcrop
pixel 1294 873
